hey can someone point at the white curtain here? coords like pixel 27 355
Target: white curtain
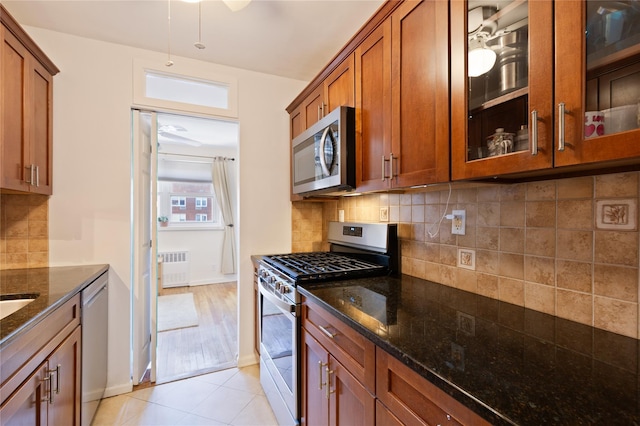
pixel 220 178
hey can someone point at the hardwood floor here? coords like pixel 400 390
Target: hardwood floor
pixel 210 346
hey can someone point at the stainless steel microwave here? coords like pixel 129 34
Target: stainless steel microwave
pixel 323 156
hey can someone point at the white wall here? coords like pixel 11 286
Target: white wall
pixel 89 212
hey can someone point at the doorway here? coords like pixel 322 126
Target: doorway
pixel 196 309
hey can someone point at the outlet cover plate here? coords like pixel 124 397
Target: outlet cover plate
pixel 459 222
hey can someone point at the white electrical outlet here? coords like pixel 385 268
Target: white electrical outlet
pixel 458 222
pixel 340 215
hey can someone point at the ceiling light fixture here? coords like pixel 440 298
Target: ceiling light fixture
pixel 481 59
pixel 482 25
pixel 236 5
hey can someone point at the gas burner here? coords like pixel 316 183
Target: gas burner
pixel 318 266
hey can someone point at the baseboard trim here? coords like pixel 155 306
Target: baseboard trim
pixel 248 360
pixel 118 390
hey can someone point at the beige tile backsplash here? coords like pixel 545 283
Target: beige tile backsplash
pixel 24 231
pixel 542 245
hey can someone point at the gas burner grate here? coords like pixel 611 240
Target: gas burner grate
pixel 321 265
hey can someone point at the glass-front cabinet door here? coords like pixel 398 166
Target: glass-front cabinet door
pixel 597 80
pixel 501 86
pixel 543 84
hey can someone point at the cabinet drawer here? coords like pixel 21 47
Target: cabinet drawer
pixel 354 351
pixel 414 400
pixel 21 357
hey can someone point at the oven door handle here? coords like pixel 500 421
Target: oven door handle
pixel 280 304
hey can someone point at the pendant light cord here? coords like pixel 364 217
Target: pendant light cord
pixel 169 61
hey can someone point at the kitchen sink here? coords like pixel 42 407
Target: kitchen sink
pixel 14 302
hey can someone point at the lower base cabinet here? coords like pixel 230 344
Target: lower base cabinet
pixel 28 405
pixel 65 382
pixel 330 394
pixel 413 400
pixel 48 379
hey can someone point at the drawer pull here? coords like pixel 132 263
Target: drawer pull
pixel 327 332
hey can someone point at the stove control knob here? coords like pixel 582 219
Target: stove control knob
pixel 284 289
pixel 278 285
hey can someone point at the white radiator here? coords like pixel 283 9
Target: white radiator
pixel 175 268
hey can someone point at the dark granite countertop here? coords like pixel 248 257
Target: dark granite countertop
pixel 509 364
pixel 51 287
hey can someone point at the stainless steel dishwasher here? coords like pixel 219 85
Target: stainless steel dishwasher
pixel 95 303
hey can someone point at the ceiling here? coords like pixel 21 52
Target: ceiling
pixel 288 38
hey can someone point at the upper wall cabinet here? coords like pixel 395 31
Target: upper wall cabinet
pixel 530 94
pixel 402 105
pixel 26 111
pixel 336 90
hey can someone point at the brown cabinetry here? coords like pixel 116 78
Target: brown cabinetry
pixel 26 111
pixel 40 375
pixel 332 395
pixel 338 366
pixel 402 107
pixel 343 373
pixel 411 399
pixel 556 61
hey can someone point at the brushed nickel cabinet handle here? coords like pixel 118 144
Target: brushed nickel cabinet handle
pixel 37 175
pixel 320 365
pixel 534 132
pixel 30 180
pixel 383 175
pixel 327 332
pixel 327 389
pixel 391 165
pixel 561 126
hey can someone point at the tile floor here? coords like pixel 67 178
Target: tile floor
pixel 227 397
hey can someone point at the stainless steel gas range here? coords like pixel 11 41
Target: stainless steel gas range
pixel 356 250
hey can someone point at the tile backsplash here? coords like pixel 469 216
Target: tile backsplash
pixel 566 247
pixel 24 231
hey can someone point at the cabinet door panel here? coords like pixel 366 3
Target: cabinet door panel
pixel 339 86
pixel 373 108
pixel 570 69
pixel 13 141
pixel 41 128
pixel 313 106
pixel 351 404
pixel 420 87
pixel 315 404
pixel 65 361
pixel 473 121
pixel 28 405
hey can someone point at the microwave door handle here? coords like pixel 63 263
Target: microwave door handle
pixel 323 141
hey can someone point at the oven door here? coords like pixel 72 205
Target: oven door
pixel 279 335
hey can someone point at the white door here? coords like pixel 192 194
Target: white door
pixel 144 230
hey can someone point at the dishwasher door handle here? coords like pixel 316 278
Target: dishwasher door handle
pixel 94 296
